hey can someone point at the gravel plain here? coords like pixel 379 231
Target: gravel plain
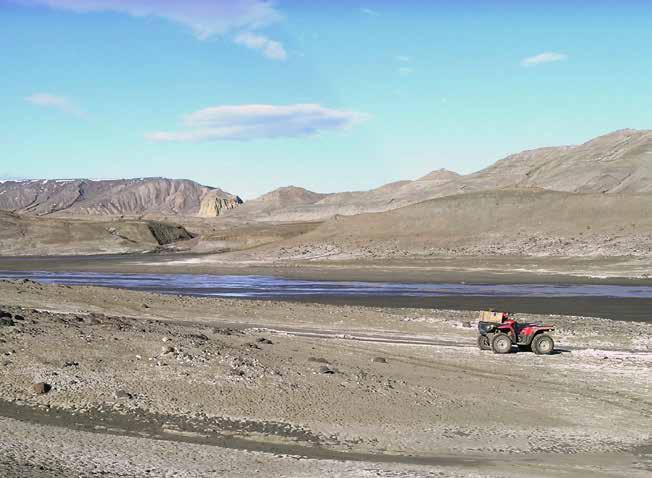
pixel 140 384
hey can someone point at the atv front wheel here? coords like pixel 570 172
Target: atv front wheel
pixel 501 344
pixel 543 344
pixel 483 342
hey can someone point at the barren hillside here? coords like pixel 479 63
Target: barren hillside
pixel 620 162
pixel 124 197
pixel 55 236
pixel 498 222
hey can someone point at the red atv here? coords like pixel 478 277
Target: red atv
pixel 498 332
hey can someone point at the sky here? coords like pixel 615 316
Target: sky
pixel 251 95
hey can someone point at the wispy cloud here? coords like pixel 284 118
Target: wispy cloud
pixel 206 18
pixel 403 58
pixel 61 103
pixel 546 57
pixel 270 48
pixel 369 11
pixel 249 122
pixel 405 71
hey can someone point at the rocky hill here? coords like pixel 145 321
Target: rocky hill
pixel 614 163
pixel 124 197
pixel 620 162
pixel 270 204
pixel 519 222
pixel 21 235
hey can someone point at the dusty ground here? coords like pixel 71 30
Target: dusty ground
pixel 146 385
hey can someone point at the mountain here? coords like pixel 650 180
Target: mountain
pixel 21 235
pixel 285 198
pixel 123 197
pixel 613 163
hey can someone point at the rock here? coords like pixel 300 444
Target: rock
pixel 379 360
pixel 122 395
pixel 217 201
pixel 145 306
pixel 4 314
pixel 318 360
pixel 466 324
pixel 263 340
pixel 19 317
pixel 71 363
pixel 326 370
pixel 7 322
pixel 167 349
pixel 41 388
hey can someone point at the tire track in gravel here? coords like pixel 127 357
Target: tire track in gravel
pixel 635 404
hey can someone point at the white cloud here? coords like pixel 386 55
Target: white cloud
pixel 248 122
pixel 369 11
pixel 403 59
pixel 547 57
pixel 206 18
pixel 61 103
pixel 270 48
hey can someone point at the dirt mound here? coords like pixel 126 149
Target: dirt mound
pixel 123 197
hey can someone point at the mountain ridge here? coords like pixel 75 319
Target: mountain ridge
pixel 114 197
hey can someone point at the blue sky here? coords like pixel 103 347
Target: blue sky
pixel 250 95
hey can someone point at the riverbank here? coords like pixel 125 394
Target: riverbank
pixel 481 269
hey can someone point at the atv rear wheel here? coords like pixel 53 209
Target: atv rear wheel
pixel 543 344
pixel 483 342
pixel 501 344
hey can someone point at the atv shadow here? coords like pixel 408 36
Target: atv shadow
pixel 554 352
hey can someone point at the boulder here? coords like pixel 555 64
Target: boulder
pixel 41 388
pixel 122 395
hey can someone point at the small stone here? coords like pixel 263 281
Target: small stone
pixel 165 339
pixel 326 370
pixel 317 360
pixel 167 349
pixel 71 363
pixel 18 317
pixel 145 306
pixel 6 322
pixel 122 395
pixel 265 341
pixel 379 360
pixel 41 388
pixel 4 314
pixel 466 324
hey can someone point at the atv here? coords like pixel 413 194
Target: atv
pixel 498 332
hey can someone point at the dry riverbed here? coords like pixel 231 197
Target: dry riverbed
pixel 137 384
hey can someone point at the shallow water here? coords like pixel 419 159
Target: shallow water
pixel 269 287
